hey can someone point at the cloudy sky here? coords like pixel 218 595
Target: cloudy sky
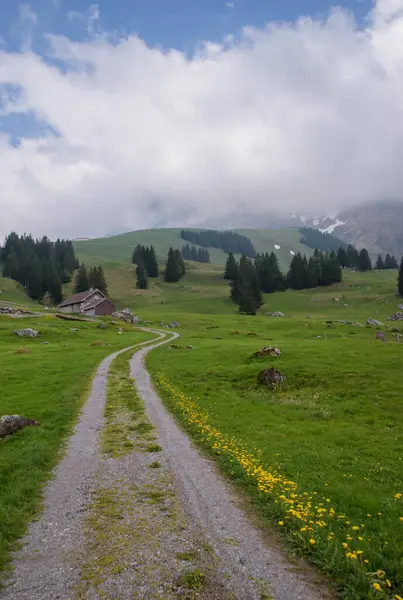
pixel 116 117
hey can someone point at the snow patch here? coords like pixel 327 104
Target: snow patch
pixel 333 226
pixel 277 247
pixel 303 219
pixel 292 252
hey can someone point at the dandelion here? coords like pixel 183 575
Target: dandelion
pixel 377 587
pixel 312 541
pixel 398 496
pixel 281 523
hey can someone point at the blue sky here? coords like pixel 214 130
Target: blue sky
pixel 177 24
pixel 98 119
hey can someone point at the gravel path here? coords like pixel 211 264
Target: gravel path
pixel 116 528
pixel 46 567
pixel 255 569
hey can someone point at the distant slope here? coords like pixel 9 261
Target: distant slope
pixel 117 249
pixel 13 293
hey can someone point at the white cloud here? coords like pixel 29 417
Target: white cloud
pixel 230 4
pixel 303 117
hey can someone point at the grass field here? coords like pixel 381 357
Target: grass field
pixel 46 382
pixel 322 456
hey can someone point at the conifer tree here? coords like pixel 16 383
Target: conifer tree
pixel 364 263
pixel 53 284
pixel 245 289
pixel 380 265
pixel 231 268
pixel 280 281
pixel 153 270
pixel 390 262
pixel 342 257
pixel 400 279
pixel 352 257
pixel 312 273
pixel 35 281
pixel 297 274
pixel 81 283
pixel 173 270
pixel 142 277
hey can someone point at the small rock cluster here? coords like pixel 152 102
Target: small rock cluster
pixel 28 332
pixel 10 310
pixel 374 322
pixel 274 314
pixel 271 377
pixel 396 317
pixel 127 316
pixel 267 351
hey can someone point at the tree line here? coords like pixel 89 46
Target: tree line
pixel 147 265
pixel 223 240
pixel 351 258
pixel 94 277
pixel 316 239
pixel 249 279
pixel 40 265
pixel 145 259
pixel 200 255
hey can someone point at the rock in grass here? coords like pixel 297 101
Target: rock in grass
pixel 12 423
pixel 271 377
pixel 374 322
pixel 102 326
pixel 28 332
pixel 267 351
pixel 274 314
pixel 396 317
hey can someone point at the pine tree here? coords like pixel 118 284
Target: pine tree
pixel 142 277
pixel 352 257
pixel 267 275
pixel 280 281
pixel 400 279
pixel 342 257
pixel 180 262
pixel 138 254
pixel 81 283
pixel 297 274
pixel 380 265
pixel 312 273
pixel 35 282
pixel 53 284
pixel 96 279
pixel 390 262
pixel 364 263
pixel 245 289
pixel 153 270
pixel 173 269
pixel 231 268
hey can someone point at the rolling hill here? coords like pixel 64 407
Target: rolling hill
pixel 117 249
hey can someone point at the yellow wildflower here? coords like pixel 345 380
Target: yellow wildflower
pixel 312 541
pixel 376 586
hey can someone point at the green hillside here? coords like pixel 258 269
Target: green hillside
pixel 117 249
pixel 13 293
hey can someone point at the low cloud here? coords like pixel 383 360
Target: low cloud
pixel 293 117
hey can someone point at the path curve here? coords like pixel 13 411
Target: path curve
pixel 213 504
pixel 46 567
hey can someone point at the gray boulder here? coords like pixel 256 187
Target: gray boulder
pixel 12 423
pixel 174 324
pixel 274 314
pixel 374 322
pixel 127 316
pixel 400 306
pixel 102 326
pixel 28 332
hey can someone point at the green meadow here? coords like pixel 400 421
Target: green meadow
pixel 335 428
